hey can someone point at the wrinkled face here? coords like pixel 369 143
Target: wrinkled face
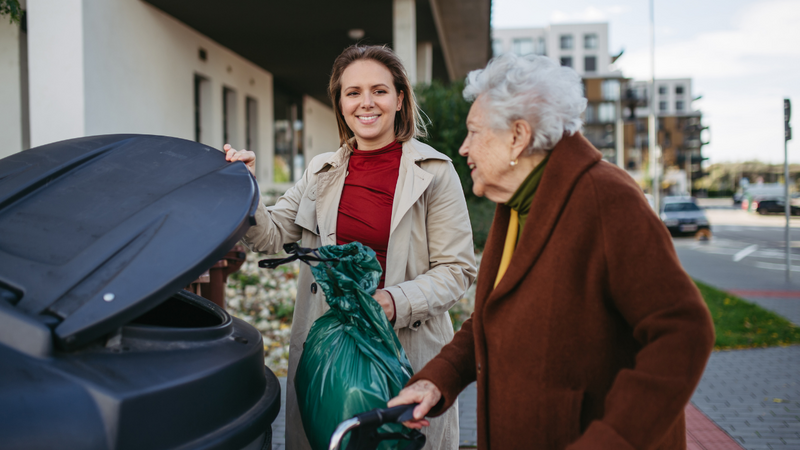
pixel 488 153
pixel 369 103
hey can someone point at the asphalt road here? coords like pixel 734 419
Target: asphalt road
pixel 753 395
pixel 746 255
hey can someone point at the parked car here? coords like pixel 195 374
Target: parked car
pixel 774 206
pixel 682 216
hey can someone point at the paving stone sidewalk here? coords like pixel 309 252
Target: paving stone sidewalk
pixel 752 395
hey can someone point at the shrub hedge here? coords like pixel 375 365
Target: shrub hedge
pixel 447 111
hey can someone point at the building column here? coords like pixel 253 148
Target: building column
pixel 405 35
pixel 424 62
pixel 56 70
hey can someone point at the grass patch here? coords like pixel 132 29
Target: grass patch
pixel 741 324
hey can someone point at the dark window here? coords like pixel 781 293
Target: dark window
pixel 677 207
pixel 251 124
pixel 522 46
pixel 202 105
pixel 566 42
pixel 679 90
pixel 662 106
pixel 679 105
pixel 497 47
pixel 590 41
pixel 229 117
pixel 590 63
pixel 289 159
pixel 198 81
pixel 566 61
pixel 540 47
pixel 662 90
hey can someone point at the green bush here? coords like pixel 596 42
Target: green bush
pixel 447 110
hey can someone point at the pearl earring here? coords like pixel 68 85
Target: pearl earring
pixel 513 163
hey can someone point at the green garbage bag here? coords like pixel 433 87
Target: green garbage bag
pixel 352 360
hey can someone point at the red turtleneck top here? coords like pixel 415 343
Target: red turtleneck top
pixel 365 210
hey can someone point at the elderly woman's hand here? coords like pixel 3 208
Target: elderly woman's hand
pixel 245 156
pixel 423 392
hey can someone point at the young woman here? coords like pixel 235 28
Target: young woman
pixel 390 192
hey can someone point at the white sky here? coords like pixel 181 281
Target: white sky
pixel 743 56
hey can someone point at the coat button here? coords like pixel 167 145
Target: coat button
pixel 313 288
pixel 479 367
pixel 417 324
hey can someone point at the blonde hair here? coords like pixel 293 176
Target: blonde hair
pixel 408 123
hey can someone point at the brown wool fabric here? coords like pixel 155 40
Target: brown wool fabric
pixel 596 337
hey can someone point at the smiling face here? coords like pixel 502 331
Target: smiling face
pixel 369 103
pixel 488 153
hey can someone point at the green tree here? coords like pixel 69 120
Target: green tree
pixel 447 110
pixel 11 9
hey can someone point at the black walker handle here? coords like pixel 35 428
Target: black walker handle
pixel 363 429
pixel 395 414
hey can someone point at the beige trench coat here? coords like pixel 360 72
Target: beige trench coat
pixel 429 266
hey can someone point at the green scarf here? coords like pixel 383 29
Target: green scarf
pixel 521 200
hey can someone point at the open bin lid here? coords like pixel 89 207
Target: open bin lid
pixel 96 231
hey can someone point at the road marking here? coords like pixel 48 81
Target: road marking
pixel 764 265
pixel 743 253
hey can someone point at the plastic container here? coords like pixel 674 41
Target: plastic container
pixel 100 346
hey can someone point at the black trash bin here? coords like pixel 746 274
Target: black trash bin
pixel 100 348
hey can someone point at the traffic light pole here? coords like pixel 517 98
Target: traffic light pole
pixel 787 135
pixel 788 209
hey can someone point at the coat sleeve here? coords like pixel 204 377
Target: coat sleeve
pixel 275 225
pixel 451 254
pixel 667 316
pixel 452 370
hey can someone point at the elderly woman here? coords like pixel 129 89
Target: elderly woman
pixel 386 190
pixel 587 333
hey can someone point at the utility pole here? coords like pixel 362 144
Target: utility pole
pixel 652 125
pixel 787 135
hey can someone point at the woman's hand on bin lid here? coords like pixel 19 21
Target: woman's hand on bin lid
pixel 245 156
pixel 423 392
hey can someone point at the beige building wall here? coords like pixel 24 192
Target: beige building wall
pixel 321 131
pixel 10 98
pixel 104 67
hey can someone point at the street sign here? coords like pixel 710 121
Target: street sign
pixel 787 115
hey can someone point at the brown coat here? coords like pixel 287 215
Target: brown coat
pixel 595 338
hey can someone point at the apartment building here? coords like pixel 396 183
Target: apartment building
pixel 616 117
pixel 584 47
pixel 250 73
pixel 679 132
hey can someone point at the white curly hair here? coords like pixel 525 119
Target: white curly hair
pixel 532 88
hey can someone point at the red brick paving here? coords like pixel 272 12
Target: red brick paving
pixel 703 434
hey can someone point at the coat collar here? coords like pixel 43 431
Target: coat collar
pixel 412 149
pixel 412 181
pixel 570 159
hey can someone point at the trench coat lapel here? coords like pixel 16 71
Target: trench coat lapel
pixel 328 194
pixel 412 181
pixel 571 158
